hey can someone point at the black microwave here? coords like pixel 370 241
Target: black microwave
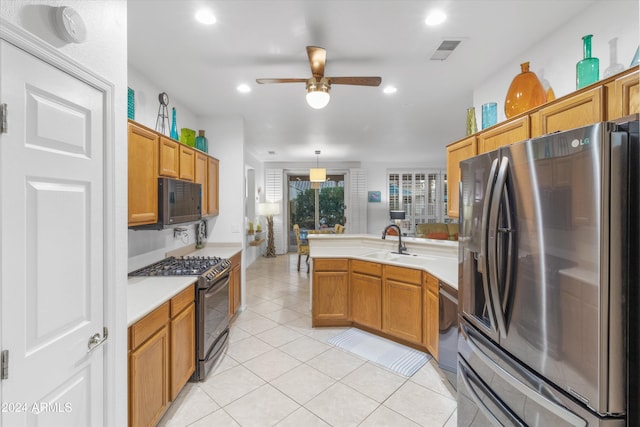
pixel 178 202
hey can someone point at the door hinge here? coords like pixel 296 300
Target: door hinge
pixel 4 368
pixel 3 118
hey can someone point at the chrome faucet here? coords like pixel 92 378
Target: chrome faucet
pixel 401 247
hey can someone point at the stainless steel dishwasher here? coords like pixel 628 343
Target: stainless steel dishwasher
pixel 448 332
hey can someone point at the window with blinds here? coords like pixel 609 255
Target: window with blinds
pixel 420 193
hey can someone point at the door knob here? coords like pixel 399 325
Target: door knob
pixel 95 341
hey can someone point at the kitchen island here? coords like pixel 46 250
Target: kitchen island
pixel 361 280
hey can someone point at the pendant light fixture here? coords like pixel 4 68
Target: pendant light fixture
pixel 317 174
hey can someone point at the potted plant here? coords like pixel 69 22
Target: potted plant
pixel 250 228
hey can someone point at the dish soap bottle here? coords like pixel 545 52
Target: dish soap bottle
pixel 588 69
pixel 174 126
pixel 202 143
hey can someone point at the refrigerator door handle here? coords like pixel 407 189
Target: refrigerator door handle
pixel 471 381
pixel 500 188
pixel 536 391
pixel 482 256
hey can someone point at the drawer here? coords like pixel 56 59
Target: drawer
pixel 330 264
pixel 182 300
pixel 407 275
pixel 366 267
pixel 148 325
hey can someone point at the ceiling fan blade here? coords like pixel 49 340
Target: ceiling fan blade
pixel 359 81
pixel 317 60
pixel 267 81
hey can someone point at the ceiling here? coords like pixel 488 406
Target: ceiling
pixel 202 66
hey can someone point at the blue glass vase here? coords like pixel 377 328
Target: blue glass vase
pixel 202 143
pixel 174 125
pixel 588 69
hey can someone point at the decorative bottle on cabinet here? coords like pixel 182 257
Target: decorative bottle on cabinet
pixel 588 69
pixel 202 143
pixel 174 125
pixel 472 125
pixel 525 92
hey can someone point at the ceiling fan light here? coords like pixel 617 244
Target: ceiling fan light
pixel 318 93
pixel 318 99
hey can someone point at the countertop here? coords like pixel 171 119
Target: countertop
pixel 437 257
pixel 145 294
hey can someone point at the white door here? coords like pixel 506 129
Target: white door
pixel 52 226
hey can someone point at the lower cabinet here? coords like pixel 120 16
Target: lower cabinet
pixel 398 302
pixel 161 358
pixel 402 303
pixel 330 292
pixel 365 284
pixel 235 284
pixel 431 314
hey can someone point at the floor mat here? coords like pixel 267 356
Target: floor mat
pixel 391 355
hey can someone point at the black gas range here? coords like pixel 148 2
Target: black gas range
pixel 208 269
pixel 211 303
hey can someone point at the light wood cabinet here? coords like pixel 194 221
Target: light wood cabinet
pixel 431 313
pixel 330 292
pixel 149 368
pixel 365 284
pixel 504 134
pixel 169 158
pixel 402 303
pixel 183 340
pixel 143 176
pixel 235 284
pixel 623 96
pixel 187 163
pixel 153 155
pixel 161 357
pixel 457 152
pixel 202 165
pixel 213 186
pixel 582 109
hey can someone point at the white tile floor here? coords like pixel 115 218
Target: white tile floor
pixel 279 371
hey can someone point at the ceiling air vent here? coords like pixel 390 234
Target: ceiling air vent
pixel 444 50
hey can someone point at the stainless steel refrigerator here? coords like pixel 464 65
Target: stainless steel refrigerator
pixel 549 270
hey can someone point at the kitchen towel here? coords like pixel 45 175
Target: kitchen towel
pixel 391 355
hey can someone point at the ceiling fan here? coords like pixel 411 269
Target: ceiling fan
pixel 318 86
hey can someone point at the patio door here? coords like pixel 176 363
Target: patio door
pixel 313 206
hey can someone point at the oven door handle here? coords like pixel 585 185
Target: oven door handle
pixel 219 284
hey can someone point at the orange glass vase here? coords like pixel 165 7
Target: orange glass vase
pixel 525 92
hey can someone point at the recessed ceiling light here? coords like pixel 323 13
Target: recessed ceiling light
pixel 205 16
pixel 390 89
pixel 436 17
pixel 243 88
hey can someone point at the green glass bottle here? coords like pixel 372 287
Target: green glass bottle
pixel 588 69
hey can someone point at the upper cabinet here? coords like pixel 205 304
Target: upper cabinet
pixel 457 152
pixel 571 112
pixel 504 134
pixel 143 175
pixel 153 155
pixel 608 99
pixel 623 97
pixel 169 158
pixel 213 174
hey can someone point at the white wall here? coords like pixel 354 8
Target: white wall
pixel 146 104
pixel 105 53
pixel 555 56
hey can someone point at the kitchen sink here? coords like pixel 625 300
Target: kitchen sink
pixel 412 259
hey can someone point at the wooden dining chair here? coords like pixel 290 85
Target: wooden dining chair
pixel 303 247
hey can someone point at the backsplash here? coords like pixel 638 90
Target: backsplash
pixel 149 246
